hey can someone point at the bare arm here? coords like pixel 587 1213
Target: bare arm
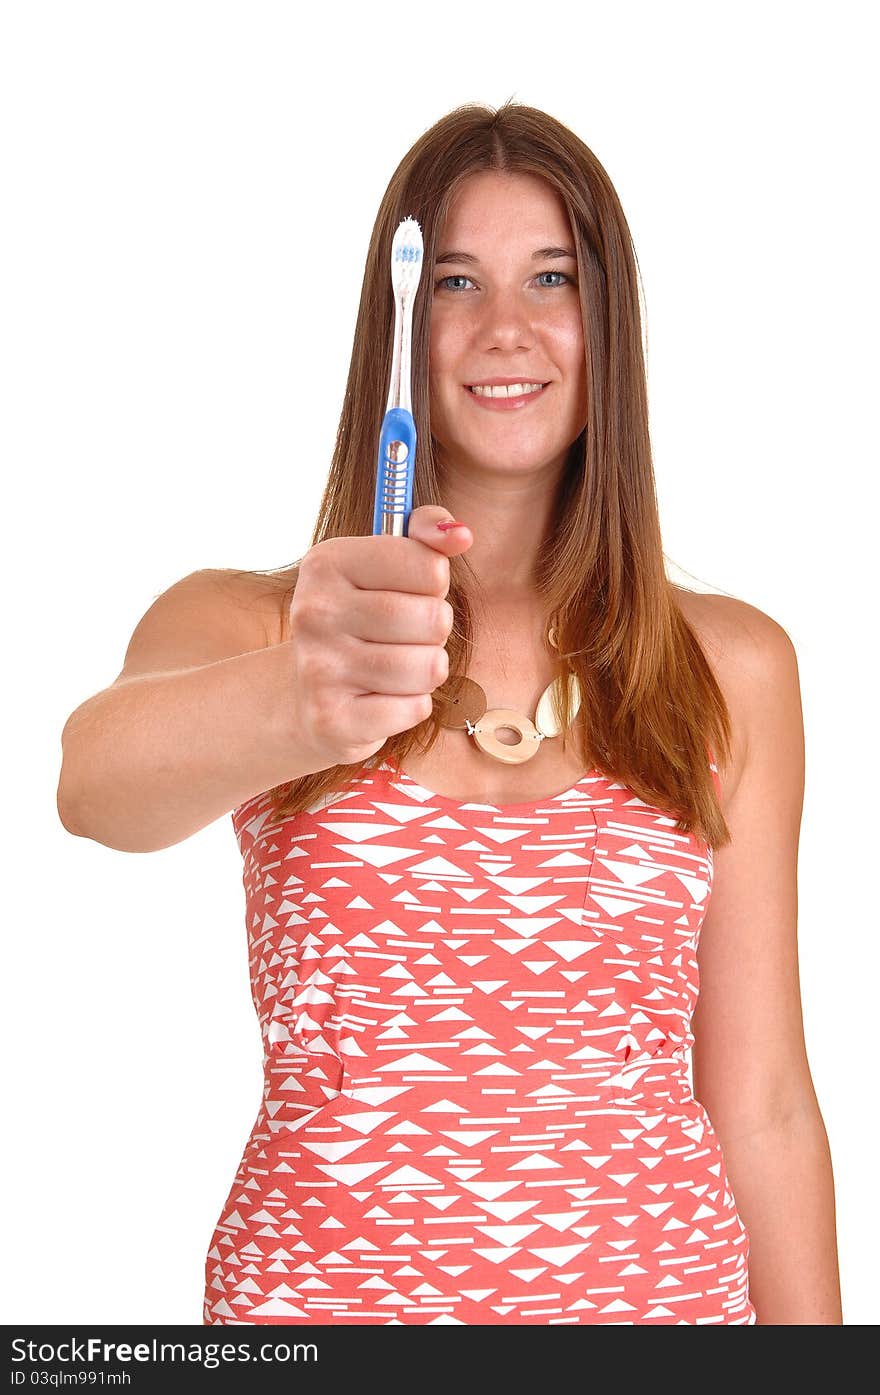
pixel 751 1071
pixel 215 704
pixel 198 721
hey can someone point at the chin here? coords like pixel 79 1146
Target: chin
pixel 519 461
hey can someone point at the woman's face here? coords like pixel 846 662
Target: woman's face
pixel 501 311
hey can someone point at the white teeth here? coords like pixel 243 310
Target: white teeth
pixel 512 390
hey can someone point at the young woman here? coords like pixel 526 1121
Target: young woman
pixel 508 802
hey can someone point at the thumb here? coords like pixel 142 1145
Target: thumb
pixel 423 527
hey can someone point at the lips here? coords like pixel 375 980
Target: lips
pixel 505 404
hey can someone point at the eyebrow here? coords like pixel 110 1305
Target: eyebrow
pixel 543 253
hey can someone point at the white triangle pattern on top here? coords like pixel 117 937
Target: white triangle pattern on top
pixel 476 1022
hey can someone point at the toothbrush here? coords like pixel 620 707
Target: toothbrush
pixel 397 438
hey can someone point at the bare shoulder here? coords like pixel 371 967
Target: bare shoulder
pixel 735 634
pixel 751 656
pixel 211 614
pixel 257 598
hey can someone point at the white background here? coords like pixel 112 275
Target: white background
pixel 189 190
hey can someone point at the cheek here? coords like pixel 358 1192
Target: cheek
pixel 443 346
pixel 569 336
pixel 572 357
pixel 438 387
pixel 445 360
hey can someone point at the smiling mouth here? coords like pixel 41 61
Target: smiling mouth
pixel 533 390
pixel 518 402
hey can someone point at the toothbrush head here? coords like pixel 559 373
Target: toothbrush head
pixel 407 250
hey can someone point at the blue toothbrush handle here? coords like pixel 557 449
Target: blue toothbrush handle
pixel 394 474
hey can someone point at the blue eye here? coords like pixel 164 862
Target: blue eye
pixel 443 279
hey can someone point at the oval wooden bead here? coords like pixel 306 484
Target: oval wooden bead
pixel 525 748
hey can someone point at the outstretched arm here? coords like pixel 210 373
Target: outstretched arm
pixel 750 1063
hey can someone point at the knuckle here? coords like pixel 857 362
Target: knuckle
pixel 440 573
pixel 315 559
pixel 381 660
pixel 316 610
pixel 388 605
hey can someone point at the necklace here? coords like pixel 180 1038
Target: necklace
pixel 463 705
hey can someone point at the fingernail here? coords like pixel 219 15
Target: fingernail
pixel 452 523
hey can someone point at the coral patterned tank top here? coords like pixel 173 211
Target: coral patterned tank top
pixel 476 1024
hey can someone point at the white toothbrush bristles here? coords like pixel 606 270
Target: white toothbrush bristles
pixel 407 250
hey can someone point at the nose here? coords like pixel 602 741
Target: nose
pixel 506 321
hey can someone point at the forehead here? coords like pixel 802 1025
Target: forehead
pixel 489 204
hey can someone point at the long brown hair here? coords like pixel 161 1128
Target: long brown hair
pixel 652 709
